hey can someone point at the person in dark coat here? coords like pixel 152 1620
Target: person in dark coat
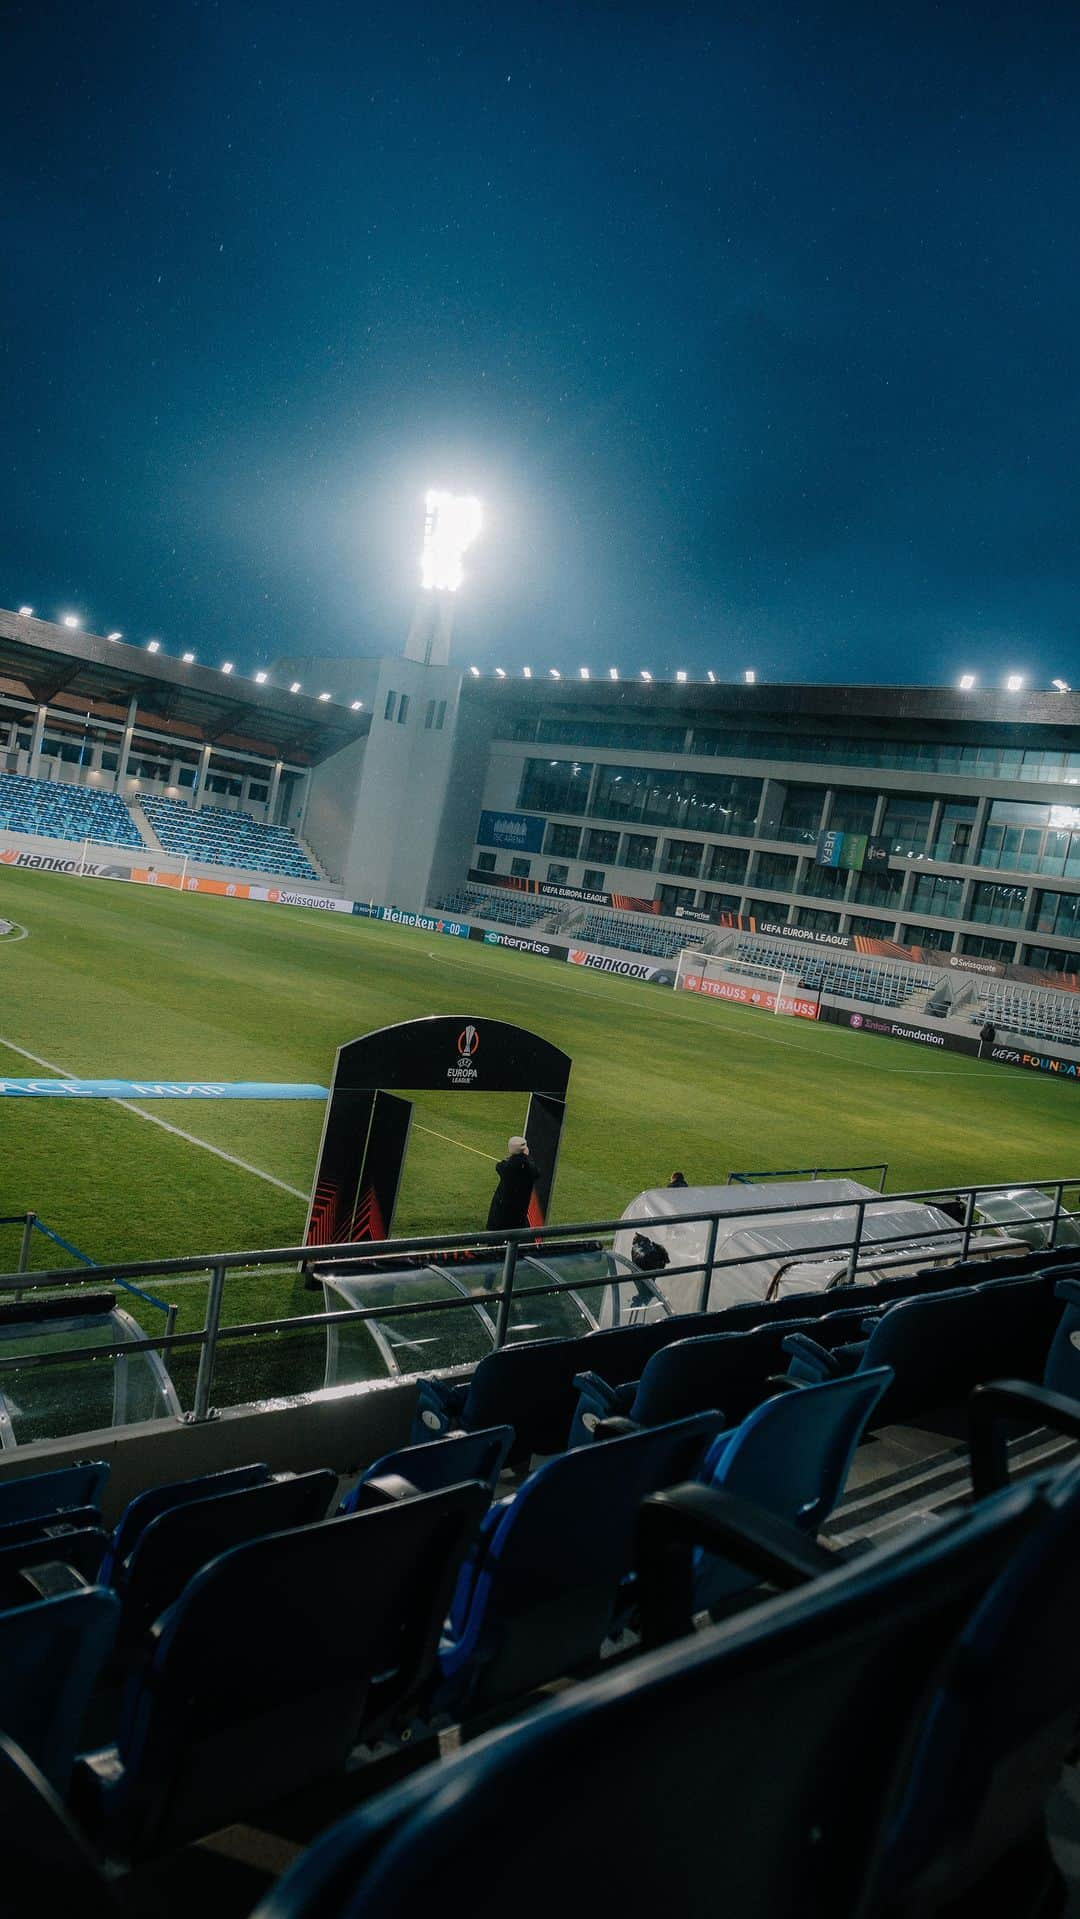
pixel 677 1179
pixel 518 1175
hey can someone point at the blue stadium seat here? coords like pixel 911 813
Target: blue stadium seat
pixel 215 836
pixel 141 1511
pixel 78 1547
pixel 48 1865
pixel 545 1584
pixel 969 1833
pixel 444 1462
pixel 51 1655
pixel 741 1771
pixel 262 1675
pixel 39 1495
pixel 183 1539
pixel 58 810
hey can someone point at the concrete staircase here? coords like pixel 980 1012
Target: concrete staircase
pixel 144 826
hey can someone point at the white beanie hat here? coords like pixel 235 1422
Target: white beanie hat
pixel 518 1144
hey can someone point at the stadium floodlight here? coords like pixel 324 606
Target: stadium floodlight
pixel 647 677
pixel 228 667
pixel 153 646
pixel 500 673
pixel 324 696
pixel 967 681
pixel 475 671
pixel 526 672
pixel 355 705
pixel 681 677
pixel 1062 686
pixel 554 671
pixel 295 687
pixel 750 676
pixel 584 672
pixel 114 636
pixel 451 524
pixel 188 658
pixel 25 612
pixel 71 619
pixel 261 679
pixel 1014 682
pixel 613 672
pixel 712 678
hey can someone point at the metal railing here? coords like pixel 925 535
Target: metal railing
pixel 880 1166
pixel 387 1258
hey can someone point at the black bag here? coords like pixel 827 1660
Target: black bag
pixel 646 1255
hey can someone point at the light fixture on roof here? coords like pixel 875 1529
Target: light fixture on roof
pixel 261 679
pixel 1062 686
pixel 967 681
pixel 475 671
pixel 526 672
pixel 153 646
pixel 25 612
pixel 712 678
pixel 324 696
pixel 1014 682
pixel 71 619
pixel 188 658
pixel 613 672
pixel 584 672
pixel 355 705
pixel 681 677
pixel 114 636
pixel 295 687
pixel 646 676
pixel 228 667
pixel 500 673
pixel 750 676
pixel 554 671
pixel 451 524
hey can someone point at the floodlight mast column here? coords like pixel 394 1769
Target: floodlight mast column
pixel 451 524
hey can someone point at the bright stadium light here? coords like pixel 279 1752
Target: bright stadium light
pixel 188 658
pixel 584 671
pixel 712 678
pixel 25 612
pixel 261 679
pixel 451 524
pixel 114 636
pixel 295 687
pixel 647 677
pixel 1062 686
pixel 500 673
pixel 324 696
pixel 613 672
pixel 228 667
pixel 554 671
pixel 475 671
pixel 750 676
pixel 526 672
pixel 681 677
pixel 153 646
pixel 71 619
pixel 967 681
pixel 355 706
pixel 1014 682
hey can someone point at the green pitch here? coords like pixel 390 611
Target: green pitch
pixel 124 982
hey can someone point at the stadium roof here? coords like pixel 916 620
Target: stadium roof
pixel 58 664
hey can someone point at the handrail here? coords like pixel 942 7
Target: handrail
pixel 515 1244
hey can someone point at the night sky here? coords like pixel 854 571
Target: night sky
pixel 756 328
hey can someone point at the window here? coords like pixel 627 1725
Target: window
pixel 774 869
pixel 981 948
pixel 707 802
pixel 258 792
pixel 998 905
pixel 932 894
pixel 954 832
pixel 872 929
pixel 593 879
pixel 440 715
pixel 774 910
pixel 639 849
pixel 562 840
pixel 813 917
pixel 429 716
pixel 557 875
pixel 879 887
pixel 853 810
pixel 938 938
pixel 906 824
pixel 824 882
pixel 388 709
pixel 485 862
pixel 800 816
pixel 403 709
pixel 727 863
pixel 718 902
pixel 672 896
pixel 682 856
pixel 520 869
pixel 1052 959
pixel 555 786
pixel 1058 913
pixel 600 843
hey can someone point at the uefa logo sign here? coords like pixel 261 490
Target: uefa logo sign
pixel 468 1043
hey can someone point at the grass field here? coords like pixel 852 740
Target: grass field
pixel 124 982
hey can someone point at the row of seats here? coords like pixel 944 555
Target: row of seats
pixel 1052 1016
pixel 633 935
pixel 505 909
pixel 216 837
pixel 881 983
pixel 61 812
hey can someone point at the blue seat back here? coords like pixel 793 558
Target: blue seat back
pixel 81 1484
pixel 999 1729
pixel 739 1771
pixel 148 1506
pixel 551 1561
pixel 50 1656
pixel 728 1370
pixel 185 1538
pixel 792 1456
pixel 262 1673
pixel 80 1547
pixel 942 1345
pixel 1062 1370
pixel 47 1862
pixel 445 1462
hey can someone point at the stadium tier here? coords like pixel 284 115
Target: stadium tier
pixel 502 909
pixel 62 812
pixel 214 837
pixel 632 935
pixel 878 981
pixel 1049 1016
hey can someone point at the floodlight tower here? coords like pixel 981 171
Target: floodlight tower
pixel 451 524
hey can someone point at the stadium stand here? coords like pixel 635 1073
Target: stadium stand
pixel 880 983
pixel 215 837
pixel 1036 1015
pixel 58 811
pixel 503 909
pixel 632 935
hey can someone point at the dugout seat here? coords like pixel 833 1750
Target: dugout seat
pixel 141 1511
pixel 51 1655
pixel 742 1770
pixel 547 1579
pixel 260 1679
pixel 445 1462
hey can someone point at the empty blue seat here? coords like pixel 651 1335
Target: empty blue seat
pixel 262 1675
pixel 141 1511
pixel 38 1494
pixel 740 1772
pixel 51 1655
pixel 47 1862
pixel 78 1547
pixel 544 1586
pixel 445 1462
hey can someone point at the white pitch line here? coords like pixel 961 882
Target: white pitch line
pixel 19 932
pixel 177 1131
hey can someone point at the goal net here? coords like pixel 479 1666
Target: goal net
pixel 772 989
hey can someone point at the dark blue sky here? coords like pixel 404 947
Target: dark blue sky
pixel 756 327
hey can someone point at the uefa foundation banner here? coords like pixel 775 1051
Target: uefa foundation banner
pixel 939 1040
pixel 742 995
